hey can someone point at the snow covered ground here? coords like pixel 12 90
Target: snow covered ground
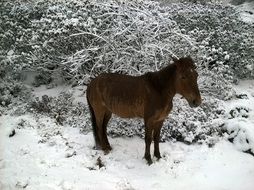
pixel 246 11
pixel 45 156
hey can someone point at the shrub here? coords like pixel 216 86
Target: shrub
pixel 79 39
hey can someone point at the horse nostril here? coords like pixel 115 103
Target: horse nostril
pixel 195 103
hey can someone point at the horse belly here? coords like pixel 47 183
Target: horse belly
pixel 127 110
pixel 124 98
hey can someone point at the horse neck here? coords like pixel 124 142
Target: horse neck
pixel 165 80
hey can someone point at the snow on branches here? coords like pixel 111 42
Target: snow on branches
pixel 77 39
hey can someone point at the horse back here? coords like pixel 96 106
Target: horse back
pixel 121 94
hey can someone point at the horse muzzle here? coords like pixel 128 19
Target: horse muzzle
pixel 195 103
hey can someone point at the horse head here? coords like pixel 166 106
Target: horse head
pixel 186 80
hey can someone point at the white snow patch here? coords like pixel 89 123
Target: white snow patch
pixel 54 92
pixel 78 92
pixel 249 67
pixel 26 162
pixel 247 12
pixel 227 57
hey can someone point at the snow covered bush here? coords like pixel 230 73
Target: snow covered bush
pixel 82 38
pixel 62 109
pixel 75 40
pixel 13 93
pixel 241 134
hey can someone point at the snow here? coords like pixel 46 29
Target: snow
pixel 44 155
pixel 44 166
pixel 54 92
pixel 226 57
pixel 78 92
pixel 10 53
pixel 247 12
pixel 241 127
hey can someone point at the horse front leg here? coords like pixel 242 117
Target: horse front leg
pixel 148 141
pixel 156 138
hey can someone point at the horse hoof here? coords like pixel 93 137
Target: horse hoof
pixel 96 147
pixel 158 157
pixel 149 162
pixel 109 147
pixel 107 150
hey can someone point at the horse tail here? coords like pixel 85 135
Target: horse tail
pixel 94 125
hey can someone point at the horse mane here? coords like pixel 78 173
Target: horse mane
pixel 185 63
pixel 161 79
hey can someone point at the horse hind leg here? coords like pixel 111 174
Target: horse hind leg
pixel 94 125
pixel 101 122
pixel 107 117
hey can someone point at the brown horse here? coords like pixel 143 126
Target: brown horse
pixel 148 96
